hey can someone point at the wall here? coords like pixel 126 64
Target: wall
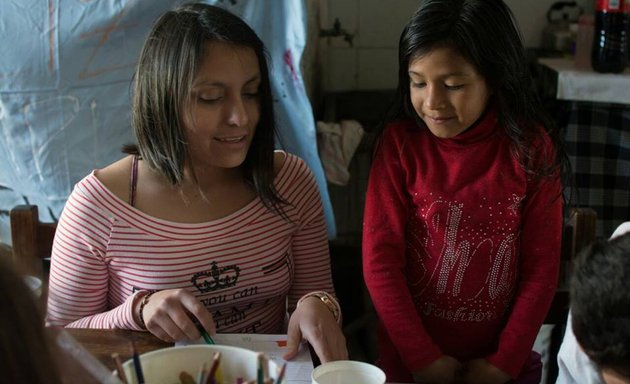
pixel 65 75
pixel 370 63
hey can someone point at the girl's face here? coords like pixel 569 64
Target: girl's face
pixel 224 108
pixel 447 92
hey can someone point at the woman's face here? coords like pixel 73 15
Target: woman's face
pixel 225 106
pixel 446 92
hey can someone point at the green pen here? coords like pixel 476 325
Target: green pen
pixel 207 337
pixel 205 334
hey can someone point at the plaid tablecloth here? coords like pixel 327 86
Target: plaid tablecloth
pixel 598 144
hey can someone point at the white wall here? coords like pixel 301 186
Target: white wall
pixel 531 16
pixel 371 63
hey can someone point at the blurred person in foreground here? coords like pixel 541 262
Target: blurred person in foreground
pixel 26 355
pixel 596 346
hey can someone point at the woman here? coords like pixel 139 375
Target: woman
pixel 203 224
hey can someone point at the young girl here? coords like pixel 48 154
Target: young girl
pixel 204 223
pixel 463 217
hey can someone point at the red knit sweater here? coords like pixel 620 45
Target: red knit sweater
pixel 461 249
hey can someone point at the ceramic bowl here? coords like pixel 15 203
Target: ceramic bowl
pixel 164 366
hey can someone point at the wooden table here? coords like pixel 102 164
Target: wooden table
pixel 79 351
pixel 103 342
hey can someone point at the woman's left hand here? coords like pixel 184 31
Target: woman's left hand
pixel 313 321
pixel 480 371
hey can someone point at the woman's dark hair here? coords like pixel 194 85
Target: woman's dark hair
pixel 26 351
pixel 484 33
pixel 600 303
pixel 163 80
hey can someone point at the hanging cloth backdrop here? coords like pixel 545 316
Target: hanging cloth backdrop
pixel 65 80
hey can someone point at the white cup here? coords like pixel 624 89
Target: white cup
pixel 347 371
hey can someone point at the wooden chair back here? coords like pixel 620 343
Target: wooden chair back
pixel 31 241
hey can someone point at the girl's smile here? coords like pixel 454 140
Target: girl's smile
pixel 447 92
pixel 438 119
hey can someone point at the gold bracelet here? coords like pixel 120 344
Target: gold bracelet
pixel 144 302
pixel 329 302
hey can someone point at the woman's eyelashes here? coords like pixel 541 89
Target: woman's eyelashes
pixel 251 94
pixel 450 87
pixel 209 100
pixel 208 96
pixel 213 99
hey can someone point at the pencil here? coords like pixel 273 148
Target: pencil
pixel 265 367
pixel 186 378
pixel 260 378
pixel 213 368
pixel 137 365
pixel 204 334
pixel 281 374
pixel 202 376
pixel 207 337
pixel 119 368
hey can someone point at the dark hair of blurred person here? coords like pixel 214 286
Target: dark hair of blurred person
pixel 25 349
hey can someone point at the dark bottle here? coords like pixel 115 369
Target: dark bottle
pixel 610 41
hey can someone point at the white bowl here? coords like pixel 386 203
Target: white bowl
pixel 164 366
pixel 347 371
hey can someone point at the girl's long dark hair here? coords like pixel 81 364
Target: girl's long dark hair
pixel 484 32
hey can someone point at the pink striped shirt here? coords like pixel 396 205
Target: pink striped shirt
pixel 242 267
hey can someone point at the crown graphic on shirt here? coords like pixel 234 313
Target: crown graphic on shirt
pixel 216 278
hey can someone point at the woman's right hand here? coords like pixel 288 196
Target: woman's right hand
pixel 170 315
pixel 442 371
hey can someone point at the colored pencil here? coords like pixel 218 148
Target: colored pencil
pixel 119 369
pixel 204 334
pixel 186 378
pixel 207 337
pixel 137 365
pixel 265 367
pixel 259 371
pixel 202 376
pixel 211 378
pixel 281 374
